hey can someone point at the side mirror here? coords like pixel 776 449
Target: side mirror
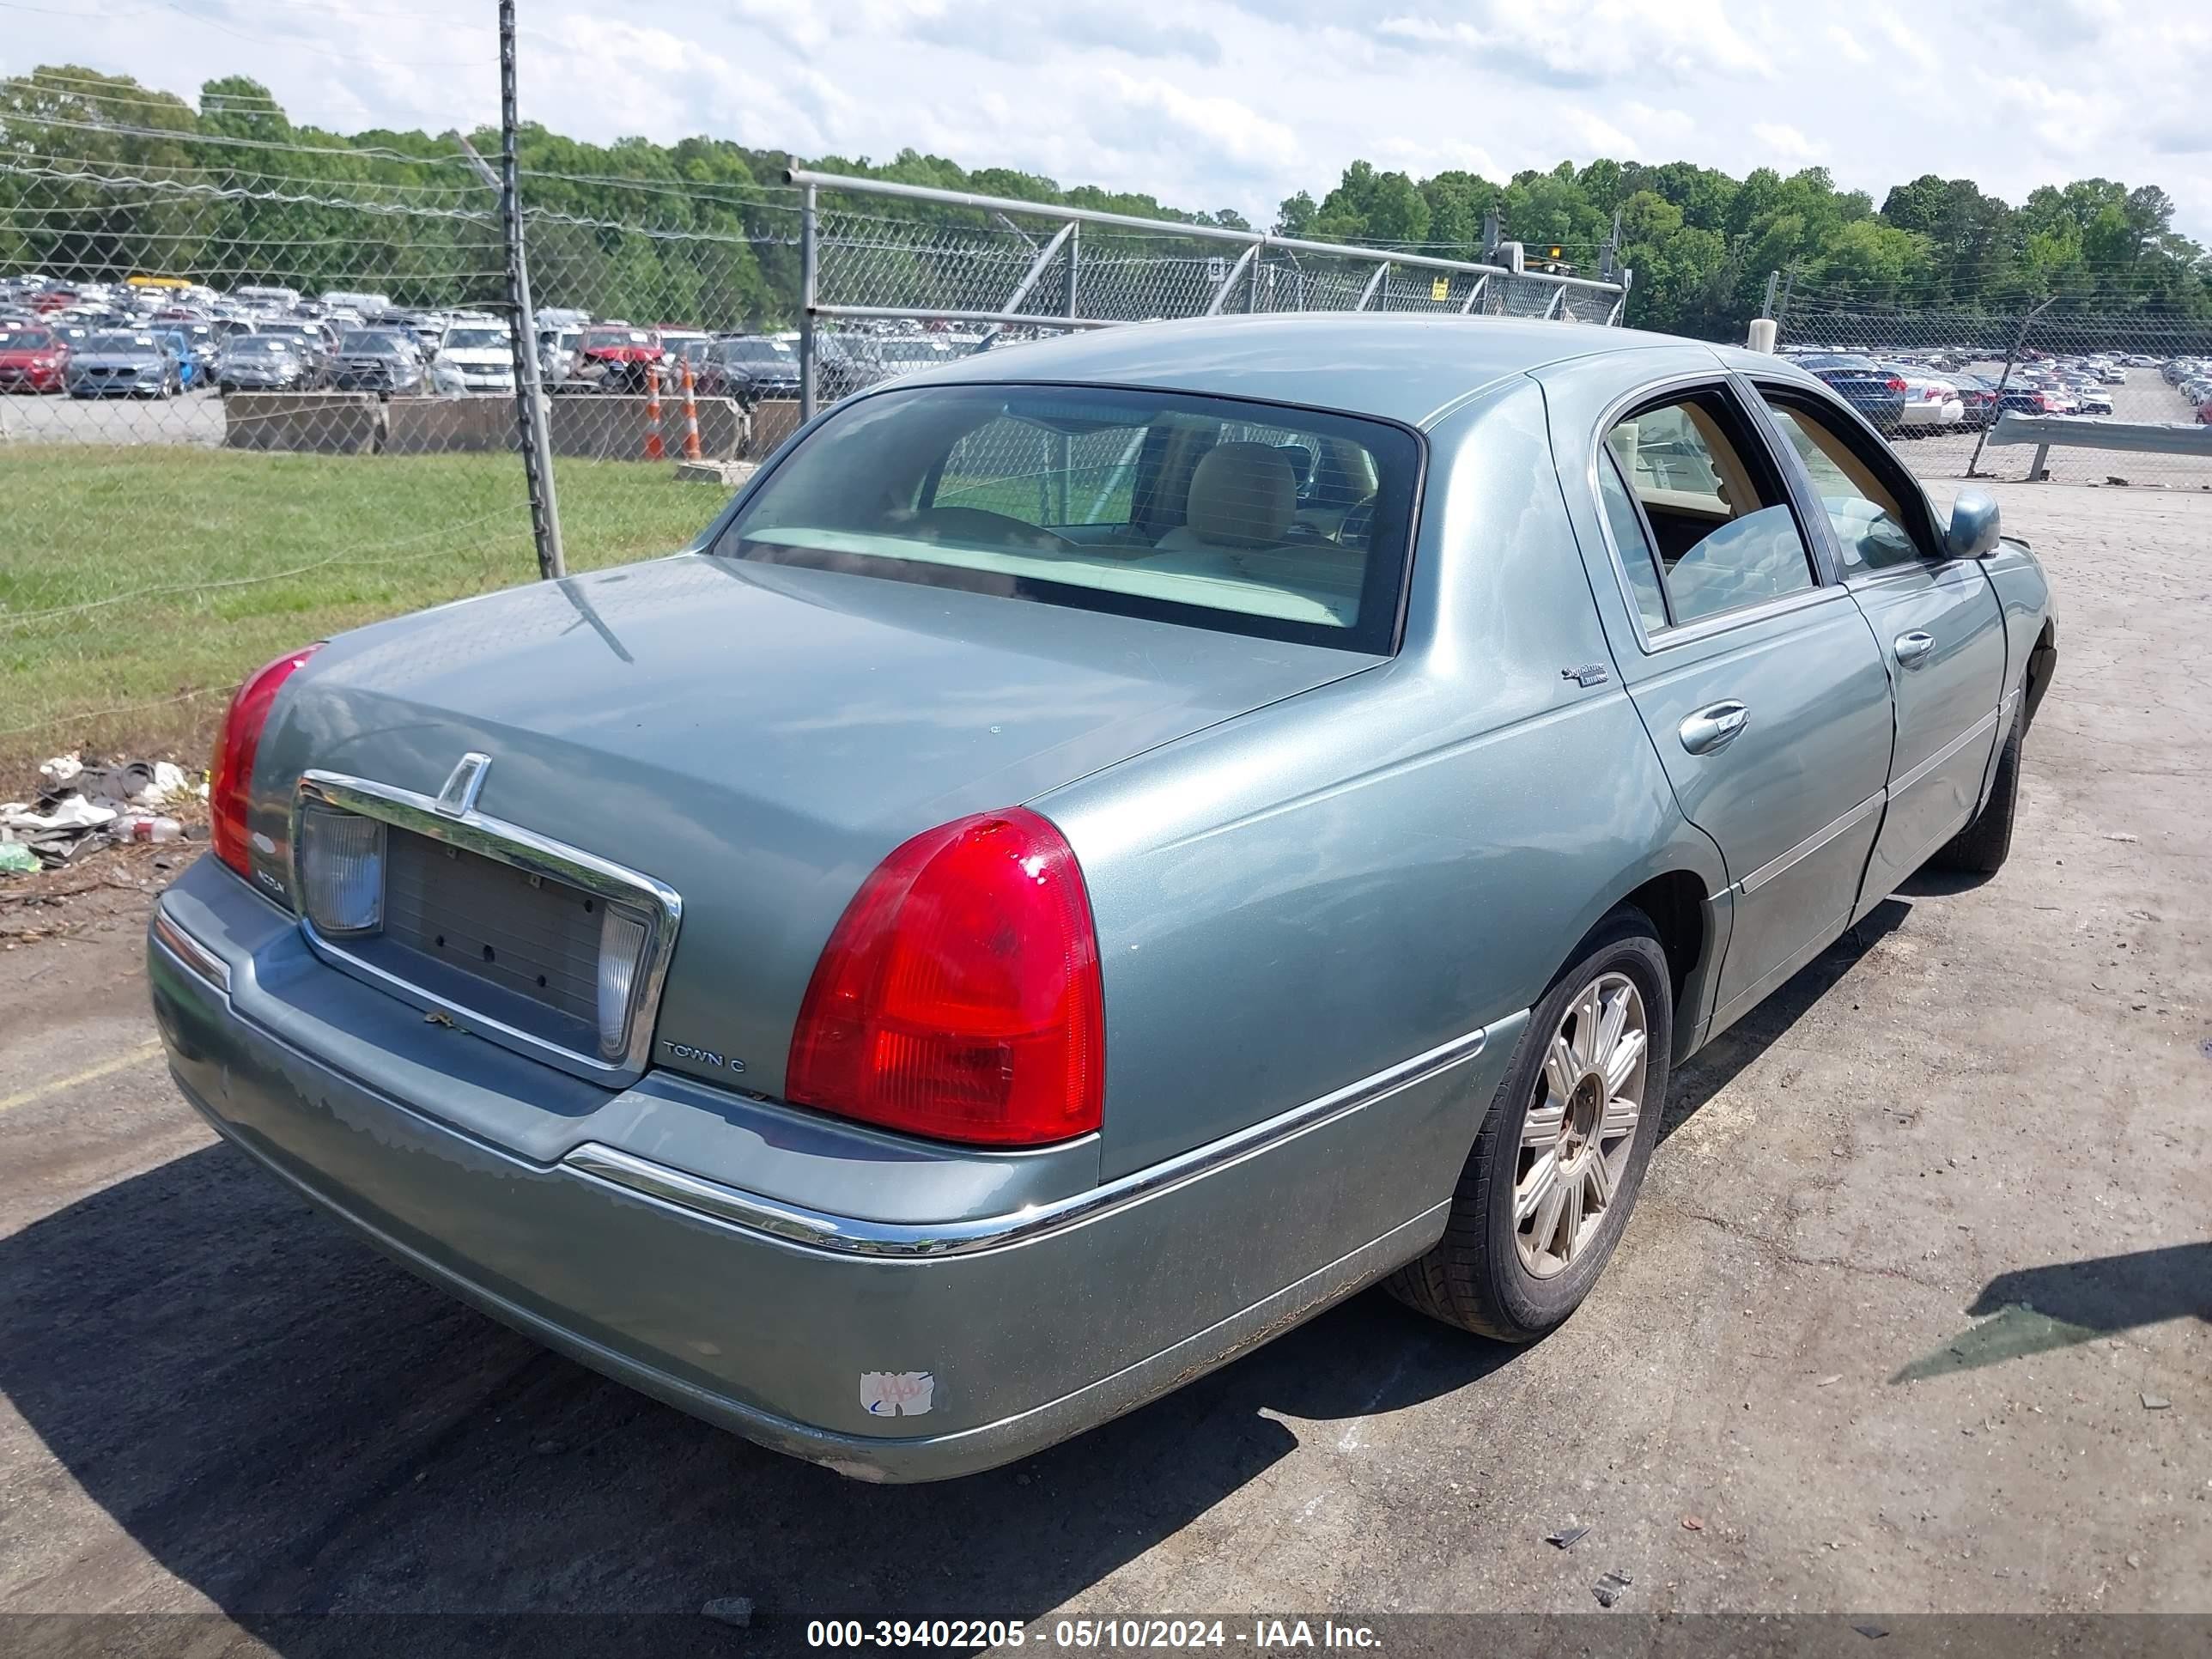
pixel 1973 530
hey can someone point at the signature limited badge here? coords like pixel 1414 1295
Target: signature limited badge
pixel 703 1056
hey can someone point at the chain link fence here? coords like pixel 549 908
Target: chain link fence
pixel 903 276
pixel 2118 396
pixel 243 406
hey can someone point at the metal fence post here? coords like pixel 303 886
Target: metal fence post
pixel 1767 305
pixel 1074 263
pixel 809 268
pixel 531 429
pixel 2011 356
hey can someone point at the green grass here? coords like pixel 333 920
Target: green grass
pixel 138 585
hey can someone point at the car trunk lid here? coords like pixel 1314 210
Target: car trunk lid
pixel 758 737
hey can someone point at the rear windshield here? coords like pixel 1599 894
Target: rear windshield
pixel 122 345
pixel 25 339
pixel 1246 518
pixel 602 338
pixel 476 339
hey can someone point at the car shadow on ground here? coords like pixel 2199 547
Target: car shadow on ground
pixel 292 1425
pixel 1713 1067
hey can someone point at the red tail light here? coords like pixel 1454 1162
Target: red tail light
pixel 232 784
pixel 959 996
pixel 1895 383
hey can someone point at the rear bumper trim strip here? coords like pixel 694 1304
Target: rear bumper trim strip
pixel 844 1235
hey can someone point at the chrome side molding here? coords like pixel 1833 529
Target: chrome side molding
pixel 844 1235
pixel 189 950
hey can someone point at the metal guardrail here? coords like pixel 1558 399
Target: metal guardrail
pixel 981 267
pixel 2099 432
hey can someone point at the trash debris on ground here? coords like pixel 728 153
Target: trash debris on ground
pixel 2121 834
pixel 1693 1523
pixel 85 803
pixel 18 860
pixel 2156 1402
pixel 1567 1537
pixel 1871 1632
pixel 1609 1586
pixel 730 1610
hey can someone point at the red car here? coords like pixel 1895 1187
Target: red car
pixel 32 359
pixel 617 354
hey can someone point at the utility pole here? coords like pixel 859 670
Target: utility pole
pixel 528 393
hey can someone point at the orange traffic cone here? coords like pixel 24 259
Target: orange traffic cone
pixel 690 416
pixel 653 452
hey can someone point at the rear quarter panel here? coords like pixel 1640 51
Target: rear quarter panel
pixel 2024 595
pixel 1303 897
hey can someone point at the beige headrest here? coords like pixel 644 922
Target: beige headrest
pixel 1243 496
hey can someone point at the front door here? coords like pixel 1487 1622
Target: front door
pixel 1757 679
pixel 1938 624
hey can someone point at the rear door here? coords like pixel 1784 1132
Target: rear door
pixel 1936 619
pixel 1753 672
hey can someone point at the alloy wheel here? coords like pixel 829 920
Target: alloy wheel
pixel 1581 1124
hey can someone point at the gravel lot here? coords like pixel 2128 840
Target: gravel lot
pixel 1916 1312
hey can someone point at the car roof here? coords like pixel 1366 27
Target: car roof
pixel 1408 367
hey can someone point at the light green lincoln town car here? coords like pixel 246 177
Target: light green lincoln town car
pixel 1099 852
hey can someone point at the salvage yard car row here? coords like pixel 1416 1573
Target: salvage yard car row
pixel 1919 394
pixel 161 338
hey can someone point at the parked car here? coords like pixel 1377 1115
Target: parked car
pixel 481 354
pixel 614 356
pixel 262 362
pixel 428 327
pixel 748 369
pixel 1876 393
pixel 382 360
pixel 556 351
pixel 1931 401
pixel 123 364
pixel 1136 901
pixel 191 364
pixel 316 342
pixel 2024 399
pixel 1978 399
pixel 32 358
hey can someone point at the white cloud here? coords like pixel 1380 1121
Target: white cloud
pixel 1240 136
pixel 1846 43
pixel 1783 142
pixel 1587 42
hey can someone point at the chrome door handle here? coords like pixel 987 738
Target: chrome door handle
pixel 1714 727
pixel 1911 647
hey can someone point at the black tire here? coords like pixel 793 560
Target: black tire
pixel 1474 1277
pixel 1982 846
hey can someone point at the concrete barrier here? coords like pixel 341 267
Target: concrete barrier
pixel 443 426
pixel 314 423
pixel 604 428
pixel 774 419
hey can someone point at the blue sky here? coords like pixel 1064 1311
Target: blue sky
pixel 1234 103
